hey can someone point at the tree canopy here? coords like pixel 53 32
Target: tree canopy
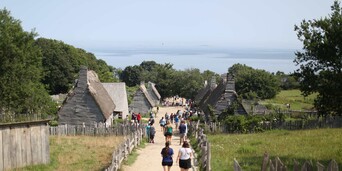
pixel 20 70
pixel 320 61
pixel 62 62
pixel 169 82
pixel 253 83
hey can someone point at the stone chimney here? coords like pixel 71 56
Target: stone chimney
pixel 213 84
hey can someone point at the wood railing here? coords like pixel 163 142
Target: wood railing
pixel 126 148
pixel 202 145
pixel 277 165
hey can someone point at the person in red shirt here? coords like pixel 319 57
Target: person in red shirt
pixel 139 117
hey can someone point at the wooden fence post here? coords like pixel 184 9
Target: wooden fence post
pixel 265 161
pixel 237 167
pixel 333 166
pixel 208 157
pixel 320 166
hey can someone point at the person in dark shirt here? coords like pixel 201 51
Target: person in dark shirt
pixel 167 153
pixel 182 132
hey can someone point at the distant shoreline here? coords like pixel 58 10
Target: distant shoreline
pixel 203 58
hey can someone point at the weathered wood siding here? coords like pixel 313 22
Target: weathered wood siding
pixel 140 103
pixel 24 144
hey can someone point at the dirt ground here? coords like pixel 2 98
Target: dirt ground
pixel 149 158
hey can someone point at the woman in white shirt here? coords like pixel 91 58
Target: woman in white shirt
pixel 184 156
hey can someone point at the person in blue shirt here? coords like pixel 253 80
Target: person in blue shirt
pixel 167 153
pixel 182 131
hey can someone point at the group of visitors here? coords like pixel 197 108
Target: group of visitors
pixel 183 158
pixel 185 153
pixel 167 128
pixel 136 118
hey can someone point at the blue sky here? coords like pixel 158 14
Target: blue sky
pixel 223 23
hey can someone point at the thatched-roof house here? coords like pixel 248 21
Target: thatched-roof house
pixel 87 103
pixel 204 93
pixel 154 94
pixel 117 91
pixel 142 101
pixel 222 97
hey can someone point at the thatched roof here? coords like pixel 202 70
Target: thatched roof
pixel 221 97
pixel 155 91
pixel 100 94
pixel 147 96
pixel 117 92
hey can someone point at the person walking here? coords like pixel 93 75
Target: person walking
pixel 182 131
pixel 162 123
pixel 152 133
pixel 167 153
pixel 139 117
pixel 168 132
pixel 184 157
pixel 176 118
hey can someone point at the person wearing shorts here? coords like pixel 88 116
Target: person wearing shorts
pixel 182 131
pixel 167 153
pixel 184 157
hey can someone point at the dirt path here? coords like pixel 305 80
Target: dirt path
pixel 150 158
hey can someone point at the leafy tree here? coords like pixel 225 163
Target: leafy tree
pixel 62 63
pixel 253 83
pixel 189 82
pixel 131 75
pixel 58 68
pixel 20 70
pixel 320 60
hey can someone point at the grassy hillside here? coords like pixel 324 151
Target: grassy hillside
pixel 292 97
pixel 79 153
pixel 316 145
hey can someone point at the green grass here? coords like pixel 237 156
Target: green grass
pixel 317 145
pixel 292 97
pixel 79 153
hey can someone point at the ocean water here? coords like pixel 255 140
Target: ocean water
pixel 217 60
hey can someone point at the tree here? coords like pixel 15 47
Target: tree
pixel 62 62
pixel 131 75
pixel 20 70
pixel 254 83
pixel 320 61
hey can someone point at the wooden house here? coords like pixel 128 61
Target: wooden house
pixel 142 101
pixel 87 103
pixel 154 94
pixel 222 97
pixel 117 92
pixel 204 93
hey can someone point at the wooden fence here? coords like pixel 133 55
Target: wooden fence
pixel 335 122
pixel 133 137
pixel 267 163
pixel 277 165
pixel 24 144
pixel 203 145
pixel 96 130
pixel 122 152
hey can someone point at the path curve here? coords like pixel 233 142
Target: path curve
pixel 149 158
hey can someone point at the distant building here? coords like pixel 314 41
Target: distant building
pixel 142 101
pixel 222 97
pixel 87 103
pixel 117 91
pixel 204 93
pixel 152 90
